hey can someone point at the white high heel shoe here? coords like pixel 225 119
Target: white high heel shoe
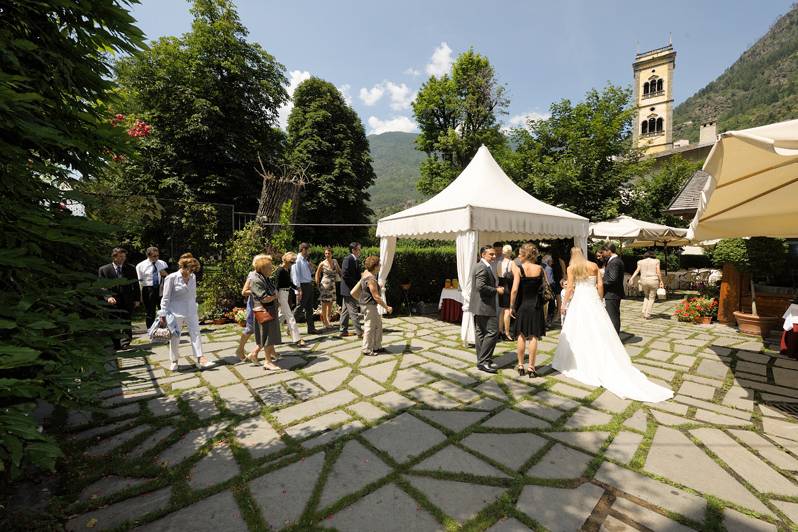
pixel 206 365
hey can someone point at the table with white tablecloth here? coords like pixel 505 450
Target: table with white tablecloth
pixel 789 338
pixel 451 305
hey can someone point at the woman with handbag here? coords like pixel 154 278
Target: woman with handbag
pixel 369 293
pixel 249 328
pixel 264 309
pixel 178 307
pixel 650 281
pixel 326 274
pixel 527 299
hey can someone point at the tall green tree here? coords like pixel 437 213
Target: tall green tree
pixel 580 157
pixel 54 328
pixel 211 98
pixel 456 114
pixel 326 139
pixel 653 192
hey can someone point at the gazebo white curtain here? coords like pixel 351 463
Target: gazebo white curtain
pixel 481 206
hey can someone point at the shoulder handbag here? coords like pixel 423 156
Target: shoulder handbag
pixel 263 316
pixel 545 289
pixel 355 290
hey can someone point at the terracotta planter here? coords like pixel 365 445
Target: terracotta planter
pixel 705 320
pixel 219 321
pixel 755 325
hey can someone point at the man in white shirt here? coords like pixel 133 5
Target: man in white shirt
pixel 302 276
pixel 151 272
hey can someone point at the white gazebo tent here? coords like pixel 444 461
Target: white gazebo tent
pixel 638 233
pixel 752 188
pixel 481 206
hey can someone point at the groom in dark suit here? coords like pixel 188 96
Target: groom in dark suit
pixel 124 296
pixel 484 305
pixel 613 284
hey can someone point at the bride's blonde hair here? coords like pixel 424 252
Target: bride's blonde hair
pixel 578 264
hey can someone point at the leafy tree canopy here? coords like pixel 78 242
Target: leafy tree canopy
pixel 580 157
pixel 326 138
pixel 456 114
pixel 652 193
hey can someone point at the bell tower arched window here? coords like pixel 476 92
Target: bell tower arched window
pixel 659 85
pixel 645 88
pixel 644 128
pixel 659 125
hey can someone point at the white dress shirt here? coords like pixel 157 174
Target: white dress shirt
pixel 144 271
pixel 300 271
pixel 179 297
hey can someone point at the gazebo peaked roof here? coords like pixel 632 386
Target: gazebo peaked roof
pixel 483 199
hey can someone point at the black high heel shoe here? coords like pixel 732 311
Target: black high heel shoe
pixel 531 372
pixel 521 371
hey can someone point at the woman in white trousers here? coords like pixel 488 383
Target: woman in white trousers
pixel 179 306
pixel 284 286
pixel 650 281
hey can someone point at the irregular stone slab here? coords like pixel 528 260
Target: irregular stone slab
pixel 108 445
pixel 97 432
pixel 780 428
pixel 201 403
pixel 684 360
pixel 317 424
pixel 675 457
pixel 189 444
pixel 624 446
pixel 109 485
pixel 314 406
pixel 409 360
pixel 303 389
pixel 610 402
pixel 446 361
pixel 365 386
pixel 389 509
pixel 393 401
pixel 214 468
pixel 218 512
pixel 407 379
pixel 454 375
pixel 719 419
pixel 459 500
pixel 611 524
pixel 694 389
pixel 487 404
pixel 561 462
pixel 762 446
pixel 771 412
pixel 493 389
pixel 334 434
pixel 282 495
pixel 238 399
pixel 590 441
pixel 452 420
pixel 458 392
pixel 274 395
pixel 653 491
pixel 452 459
pixel 163 406
pixel 508 524
pixel 120 512
pixel 355 468
pixel 380 372
pixel 646 517
pixel 734 520
pixel 789 508
pixel 712 368
pixel 433 398
pixel 673 408
pixel 518 390
pixel 743 462
pixel 510 419
pixel 465 356
pixel 330 380
pixel 219 376
pixel 587 417
pixel 706 405
pixel 367 411
pixel 404 437
pixel 556 401
pixel 752 367
pixel 185 384
pixel 539 410
pixel 657 354
pixel 559 510
pixel 638 421
pixel 321 363
pixel 570 390
pixel 511 450
pixel 666 374
pixel 670 420
pixel 152 441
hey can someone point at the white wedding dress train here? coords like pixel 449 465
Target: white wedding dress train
pixel 591 352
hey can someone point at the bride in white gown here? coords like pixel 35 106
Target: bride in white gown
pixel 590 350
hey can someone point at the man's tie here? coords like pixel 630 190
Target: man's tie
pixel 155 276
pixel 119 271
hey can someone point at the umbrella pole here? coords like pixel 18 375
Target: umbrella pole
pixel 665 246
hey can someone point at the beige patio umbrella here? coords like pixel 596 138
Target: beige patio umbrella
pixel 753 185
pixel 638 233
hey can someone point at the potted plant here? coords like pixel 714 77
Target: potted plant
pixel 687 310
pixel 239 315
pixel 707 309
pixel 759 258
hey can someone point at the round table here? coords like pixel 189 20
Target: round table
pixel 450 305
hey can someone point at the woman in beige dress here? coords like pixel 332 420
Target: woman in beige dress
pixel 650 281
pixel 325 280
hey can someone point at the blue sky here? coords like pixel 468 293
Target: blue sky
pixel 379 53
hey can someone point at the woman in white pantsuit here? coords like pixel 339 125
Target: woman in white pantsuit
pixel 284 286
pixel 179 306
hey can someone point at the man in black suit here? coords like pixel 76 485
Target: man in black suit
pixel 484 305
pixel 123 297
pixel 350 275
pixel 613 284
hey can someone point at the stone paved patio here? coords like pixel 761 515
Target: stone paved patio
pixel 418 440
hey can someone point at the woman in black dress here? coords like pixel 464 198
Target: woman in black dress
pixel 504 274
pixel 527 302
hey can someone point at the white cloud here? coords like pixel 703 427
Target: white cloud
pixel 399 123
pixel 344 90
pixel 295 77
pixel 401 95
pixel 523 119
pixel 373 95
pixel 412 72
pixel 441 61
